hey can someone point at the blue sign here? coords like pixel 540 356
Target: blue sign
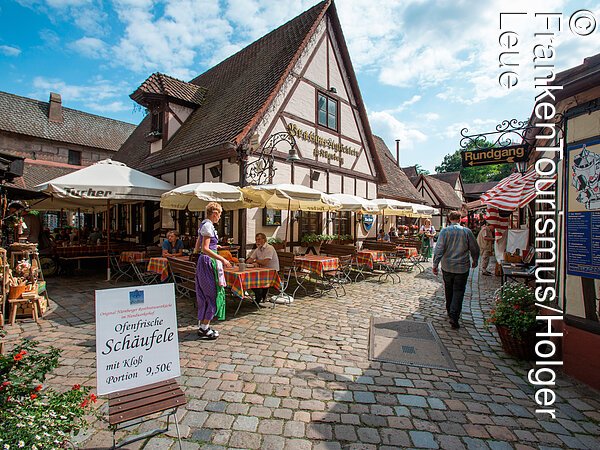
pixel 583 210
pixel 367 221
pixel 136 297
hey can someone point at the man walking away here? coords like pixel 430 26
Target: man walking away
pixel 454 245
pixel 485 240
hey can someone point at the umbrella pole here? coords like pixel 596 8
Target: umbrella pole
pixel 287 225
pixel 107 240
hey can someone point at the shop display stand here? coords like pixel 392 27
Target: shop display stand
pixel 37 277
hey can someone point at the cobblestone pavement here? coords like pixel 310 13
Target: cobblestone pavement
pixel 298 377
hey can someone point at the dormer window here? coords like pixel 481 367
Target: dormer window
pixel 157 121
pixel 156 126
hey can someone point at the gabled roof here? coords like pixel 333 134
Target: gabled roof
pixel 443 192
pixel 448 177
pixel 398 186
pixel 410 171
pixel 39 171
pixel 237 90
pixel 476 189
pixel 159 85
pixel 29 117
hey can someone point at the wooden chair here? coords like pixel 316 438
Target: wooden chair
pixel 288 271
pixel 184 276
pixel 132 404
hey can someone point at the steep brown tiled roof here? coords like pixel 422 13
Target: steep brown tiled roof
pixel 29 117
pixel 410 171
pixel 448 177
pixel 161 85
pixel 398 185
pixel 236 90
pixel 476 189
pixel 37 172
pixel 444 192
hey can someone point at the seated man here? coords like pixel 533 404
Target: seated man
pixel 264 255
pixel 172 245
pixel 95 236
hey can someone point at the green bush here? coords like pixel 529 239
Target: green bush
pixel 274 240
pixel 515 309
pixel 33 416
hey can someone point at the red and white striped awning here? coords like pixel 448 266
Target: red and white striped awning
pixel 493 218
pixel 515 191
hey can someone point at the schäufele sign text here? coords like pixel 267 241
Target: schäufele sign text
pixel 324 148
pixel 487 156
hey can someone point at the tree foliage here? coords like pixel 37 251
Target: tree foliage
pixel 420 170
pixel 479 174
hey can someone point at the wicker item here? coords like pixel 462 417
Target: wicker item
pixel 523 348
pixel 17 291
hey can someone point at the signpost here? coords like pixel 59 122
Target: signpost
pixel 488 156
pixel 136 337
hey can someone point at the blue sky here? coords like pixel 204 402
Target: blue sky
pixel 426 69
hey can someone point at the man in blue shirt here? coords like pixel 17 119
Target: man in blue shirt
pixel 454 245
pixel 172 245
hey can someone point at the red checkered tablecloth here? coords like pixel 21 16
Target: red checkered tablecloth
pixel 133 257
pixel 81 250
pixel 369 257
pixel 159 265
pixel 409 252
pixel 317 264
pixel 251 278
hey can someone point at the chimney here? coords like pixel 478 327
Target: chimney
pixel 55 112
pixel 398 152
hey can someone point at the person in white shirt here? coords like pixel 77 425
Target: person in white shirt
pixel 264 255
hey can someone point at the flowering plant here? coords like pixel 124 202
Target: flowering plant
pixel 515 309
pixel 34 416
pixel 23 268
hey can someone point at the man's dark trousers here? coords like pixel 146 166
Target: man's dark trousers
pixel 454 286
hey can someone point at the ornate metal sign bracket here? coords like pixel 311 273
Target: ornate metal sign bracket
pixel 262 170
pixel 508 133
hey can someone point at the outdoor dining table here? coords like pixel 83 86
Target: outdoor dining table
pixel 368 258
pixel 317 264
pixel 409 252
pixel 239 281
pixel 160 265
pixel 133 257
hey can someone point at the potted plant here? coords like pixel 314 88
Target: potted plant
pixel 277 243
pixel 344 239
pixel 32 415
pixel 311 239
pixel 514 316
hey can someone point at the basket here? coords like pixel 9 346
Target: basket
pixel 523 348
pixel 512 258
pixel 17 291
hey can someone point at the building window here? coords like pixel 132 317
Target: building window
pixel 74 157
pixel 328 111
pixel 310 223
pixel 157 121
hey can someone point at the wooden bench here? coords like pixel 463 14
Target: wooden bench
pixel 338 250
pixel 132 404
pixel 379 245
pixel 184 276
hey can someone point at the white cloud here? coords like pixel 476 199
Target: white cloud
pixel 100 95
pixel 90 47
pixel 430 117
pixel 8 50
pixel 389 129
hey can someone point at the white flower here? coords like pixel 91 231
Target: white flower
pixel 21 444
pixel 6 446
pixel 33 447
pixel 38 437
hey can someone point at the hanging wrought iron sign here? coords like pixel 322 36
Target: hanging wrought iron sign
pixel 262 169
pixel 487 156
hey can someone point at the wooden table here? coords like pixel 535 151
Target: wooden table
pixel 317 264
pixel 239 281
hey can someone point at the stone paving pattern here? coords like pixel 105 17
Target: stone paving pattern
pixel 298 376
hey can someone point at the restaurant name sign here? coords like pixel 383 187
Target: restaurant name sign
pixel 325 148
pixel 487 156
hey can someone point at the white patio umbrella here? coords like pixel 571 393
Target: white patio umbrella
pixel 356 204
pixel 390 207
pixel 292 197
pixel 98 186
pixel 196 196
